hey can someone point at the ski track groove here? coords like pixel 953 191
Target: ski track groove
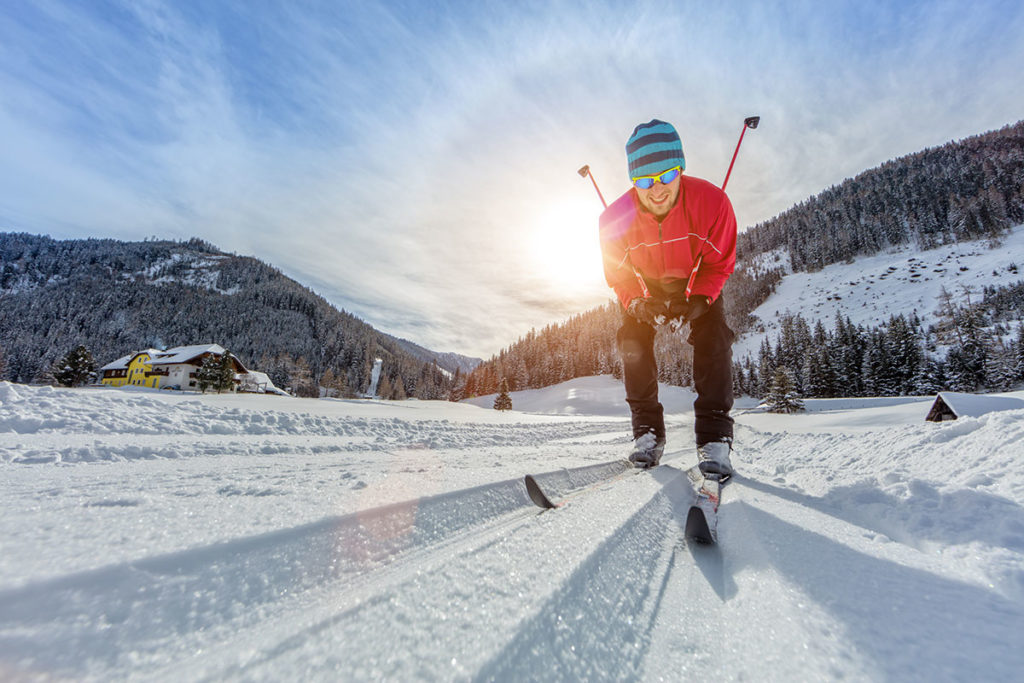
pixel 334 604
pixel 144 605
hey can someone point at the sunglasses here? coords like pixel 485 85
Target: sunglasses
pixel 647 182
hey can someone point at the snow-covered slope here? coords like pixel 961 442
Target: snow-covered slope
pixel 158 536
pixel 871 289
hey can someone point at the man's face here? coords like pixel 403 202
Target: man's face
pixel 659 199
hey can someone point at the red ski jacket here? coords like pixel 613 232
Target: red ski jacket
pixel 700 228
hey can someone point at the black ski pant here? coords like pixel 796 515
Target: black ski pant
pixel 711 340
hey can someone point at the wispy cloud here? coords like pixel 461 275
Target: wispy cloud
pixel 411 164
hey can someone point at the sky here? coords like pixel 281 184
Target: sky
pixel 416 165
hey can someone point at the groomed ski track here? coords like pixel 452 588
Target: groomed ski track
pixel 603 588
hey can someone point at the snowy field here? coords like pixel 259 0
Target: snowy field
pixel 159 536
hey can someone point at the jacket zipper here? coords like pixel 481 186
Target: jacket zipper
pixel 661 245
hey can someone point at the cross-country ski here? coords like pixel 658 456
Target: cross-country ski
pixel 702 519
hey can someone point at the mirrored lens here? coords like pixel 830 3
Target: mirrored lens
pixel 665 178
pixel 668 176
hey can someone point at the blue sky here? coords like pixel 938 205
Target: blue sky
pixel 417 165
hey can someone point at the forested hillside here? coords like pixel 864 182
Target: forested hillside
pixel 961 191
pixel 119 297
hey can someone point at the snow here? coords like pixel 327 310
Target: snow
pixel 872 288
pixel 161 535
pixel 120 363
pixel 974 405
pixel 183 354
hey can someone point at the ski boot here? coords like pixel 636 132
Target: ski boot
pixel 713 459
pixel 647 450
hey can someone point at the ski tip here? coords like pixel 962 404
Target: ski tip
pixel 697 529
pixel 537 494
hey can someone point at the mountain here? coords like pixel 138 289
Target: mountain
pixel 119 297
pixel 920 252
pixel 451 362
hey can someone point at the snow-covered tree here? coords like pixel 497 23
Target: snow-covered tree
pixel 1018 346
pixel 458 391
pixel 782 397
pixel 302 379
pixel 225 380
pixel 76 368
pixel 385 389
pixel 208 373
pixel 398 393
pixel 503 401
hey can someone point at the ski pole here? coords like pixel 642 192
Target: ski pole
pixel 585 171
pixel 749 122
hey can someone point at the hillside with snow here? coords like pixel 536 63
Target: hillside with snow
pixel 903 280
pixel 117 298
pixel 158 535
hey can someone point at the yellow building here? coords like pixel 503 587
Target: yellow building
pixel 135 370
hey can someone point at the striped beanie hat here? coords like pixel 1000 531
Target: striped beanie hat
pixel 654 147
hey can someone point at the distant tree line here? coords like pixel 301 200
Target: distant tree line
pixel 963 351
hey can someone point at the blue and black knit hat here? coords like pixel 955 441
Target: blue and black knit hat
pixel 654 147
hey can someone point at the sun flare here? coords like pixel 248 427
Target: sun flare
pixel 565 248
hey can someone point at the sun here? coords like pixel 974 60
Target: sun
pixel 565 248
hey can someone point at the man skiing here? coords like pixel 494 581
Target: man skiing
pixel 669 245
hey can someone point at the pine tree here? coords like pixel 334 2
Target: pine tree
pixel 766 368
pixel 1000 370
pixel 302 379
pixel 930 378
pixel 208 373
pixel 279 371
pixel 907 354
pixel 458 391
pixel 225 377
pixel 75 369
pixel 820 375
pixel 503 401
pixel 782 397
pixel 1018 350
pixel 967 360
pixel 399 393
pixel 329 384
pixel 385 390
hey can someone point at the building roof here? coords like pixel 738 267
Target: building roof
pixel 120 363
pixel 971 405
pixel 184 354
pixel 149 352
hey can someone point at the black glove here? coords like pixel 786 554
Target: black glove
pixel 682 310
pixel 647 310
pixel 699 305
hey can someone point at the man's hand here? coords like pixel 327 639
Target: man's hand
pixel 648 310
pixel 682 310
pixel 699 305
